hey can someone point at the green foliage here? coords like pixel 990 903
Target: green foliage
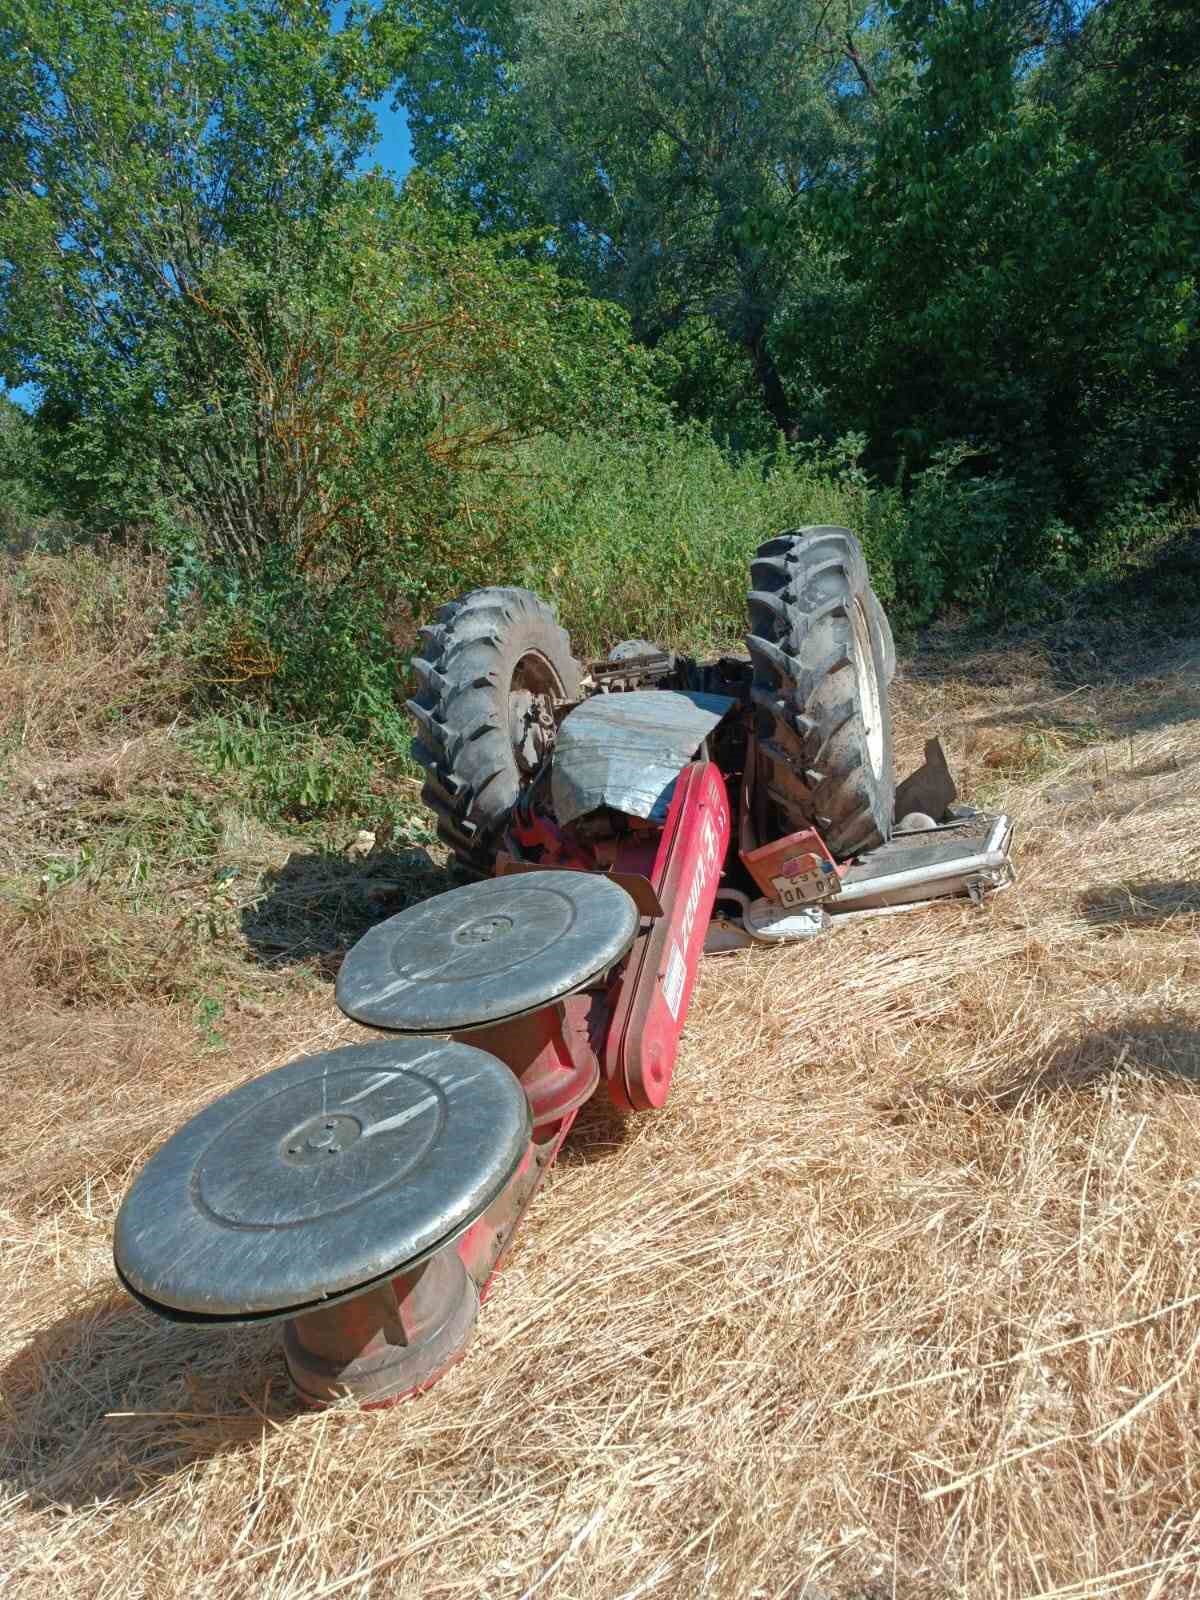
pixel 295 381
pixel 1008 287
pixel 674 276
pixel 19 498
pixel 670 145
pixel 138 149
pixel 312 653
pixel 408 364
pixel 654 536
pixel 288 773
pixel 241 342
pixel 708 378
pixel 977 540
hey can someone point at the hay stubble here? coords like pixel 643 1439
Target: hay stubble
pixel 898 1297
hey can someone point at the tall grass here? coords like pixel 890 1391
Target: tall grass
pixel 655 539
pixel 649 536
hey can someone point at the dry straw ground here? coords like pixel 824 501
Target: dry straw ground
pixel 898 1297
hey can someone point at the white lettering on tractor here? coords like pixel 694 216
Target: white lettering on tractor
pixel 710 852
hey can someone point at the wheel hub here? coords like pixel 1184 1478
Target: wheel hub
pixel 869 698
pixel 531 699
pixel 319 1138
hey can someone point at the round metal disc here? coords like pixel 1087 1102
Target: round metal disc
pixel 319 1178
pixel 487 952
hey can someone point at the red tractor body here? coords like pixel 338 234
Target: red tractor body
pixel 367 1196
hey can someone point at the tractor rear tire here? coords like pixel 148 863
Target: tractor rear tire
pixel 821 669
pixel 489 670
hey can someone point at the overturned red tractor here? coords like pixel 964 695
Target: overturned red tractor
pixel 622 817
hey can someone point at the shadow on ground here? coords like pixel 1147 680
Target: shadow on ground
pixel 1167 1048
pixel 1140 905
pixel 598 1133
pixel 1106 635
pixel 316 905
pixel 109 1399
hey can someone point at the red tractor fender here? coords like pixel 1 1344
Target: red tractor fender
pixel 655 987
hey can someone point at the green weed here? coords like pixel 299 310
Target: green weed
pixel 290 774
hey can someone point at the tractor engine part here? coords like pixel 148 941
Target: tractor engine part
pixel 632 664
pixel 330 1193
pixel 820 690
pixel 492 670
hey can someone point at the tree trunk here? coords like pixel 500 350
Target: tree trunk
pixel 771 384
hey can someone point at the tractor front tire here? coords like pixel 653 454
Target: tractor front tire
pixel 820 648
pixel 489 671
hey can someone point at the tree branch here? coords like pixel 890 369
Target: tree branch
pixel 856 61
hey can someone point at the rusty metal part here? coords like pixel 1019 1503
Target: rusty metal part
pixel 552 1055
pixel 931 788
pixel 390 1343
pixel 635 664
pixel 795 869
pixel 625 751
pixel 484 1245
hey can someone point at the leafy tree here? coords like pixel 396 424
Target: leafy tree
pixel 1006 286
pixel 1128 86
pixel 672 146
pixel 141 148
pixel 20 501
pixel 407 370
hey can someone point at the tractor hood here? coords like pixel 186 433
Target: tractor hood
pixel 626 750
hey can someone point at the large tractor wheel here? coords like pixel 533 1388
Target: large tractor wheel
pixel 820 643
pixel 489 671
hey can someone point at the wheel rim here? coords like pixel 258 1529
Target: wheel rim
pixel 870 700
pixel 532 692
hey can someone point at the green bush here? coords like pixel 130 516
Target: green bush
pixel 290 646
pixel 629 536
pixel 654 537
pixel 290 772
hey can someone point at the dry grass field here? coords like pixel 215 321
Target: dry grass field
pixel 899 1297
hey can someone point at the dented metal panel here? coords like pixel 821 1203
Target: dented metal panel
pixel 626 750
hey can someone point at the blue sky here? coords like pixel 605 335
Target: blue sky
pixel 393 151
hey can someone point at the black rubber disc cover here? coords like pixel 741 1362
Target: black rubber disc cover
pixel 312 1182
pixel 486 952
